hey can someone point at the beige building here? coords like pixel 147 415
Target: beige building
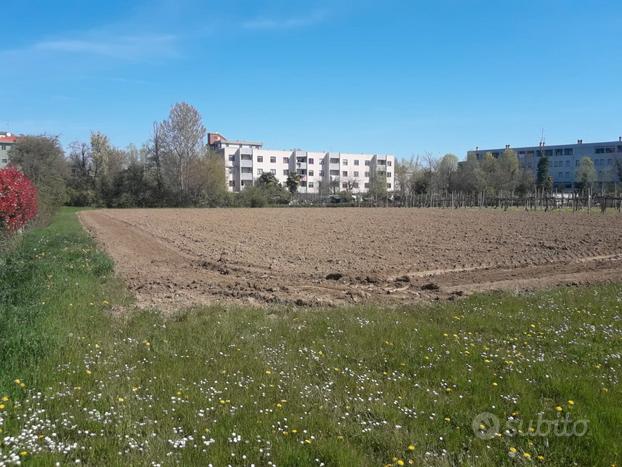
pixel 7 140
pixel 319 171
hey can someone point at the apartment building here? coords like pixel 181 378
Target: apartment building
pixel 6 141
pixel 564 159
pixel 319 171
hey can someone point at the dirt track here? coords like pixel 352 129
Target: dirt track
pixel 173 258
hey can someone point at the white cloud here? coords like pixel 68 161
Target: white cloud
pixel 292 22
pixel 123 47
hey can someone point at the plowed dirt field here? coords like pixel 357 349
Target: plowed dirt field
pixel 173 258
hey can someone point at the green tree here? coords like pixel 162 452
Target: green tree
pixel 182 137
pixel 543 172
pixel 272 188
pixel 42 160
pixel 292 183
pixel 470 177
pixel 586 174
pixel 508 172
pixel 446 172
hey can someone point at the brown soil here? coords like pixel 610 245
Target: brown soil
pixel 173 258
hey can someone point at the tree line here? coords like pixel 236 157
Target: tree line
pixel 175 168
pixel 492 177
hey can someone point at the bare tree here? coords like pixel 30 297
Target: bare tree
pixel 183 136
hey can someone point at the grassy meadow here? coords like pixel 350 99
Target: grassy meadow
pixel 85 378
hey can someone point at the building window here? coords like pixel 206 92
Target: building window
pixel 568 152
pixel 599 150
pixel 389 186
pixel 367 174
pixel 344 185
pixel 345 162
pixel 382 162
pixel 356 174
pixel 311 161
pixel 321 173
pixel 311 172
pixel 231 183
pixel 273 171
pixel 356 162
pixel 344 173
pixel 259 158
pixel 247 170
pixel 388 174
pixel 231 157
pixel 285 172
pixel 286 160
pixel 246 157
pixel 334 160
pixel 310 184
pixel 273 159
pixel 334 172
pixel 303 184
pixel 367 185
pixel 367 163
pixel 259 171
pixel 620 148
pixel 355 185
pixel 558 152
pixel 548 152
pixel 389 163
pixel 3 146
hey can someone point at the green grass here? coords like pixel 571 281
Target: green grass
pixel 353 386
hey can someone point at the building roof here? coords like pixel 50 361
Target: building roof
pixel 242 143
pixel 7 138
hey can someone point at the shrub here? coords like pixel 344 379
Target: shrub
pixel 18 199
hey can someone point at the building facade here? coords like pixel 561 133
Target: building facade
pixel 320 172
pixel 7 140
pixel 565 159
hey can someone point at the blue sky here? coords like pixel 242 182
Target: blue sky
pixel 403 77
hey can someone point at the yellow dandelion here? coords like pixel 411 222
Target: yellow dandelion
pixel 88 372
pixel 540 457
pixel 23 453
pixel 121 399
pixel 571 402
pixel 411 447
pixel 559 408
pixel 268 372
pixel 18 381
pixel 307 441
pixel 400 462
pixel 526 455
pixel 512 450
pixel 2 407
pixel 5 398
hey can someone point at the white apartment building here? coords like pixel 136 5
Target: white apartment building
pixel 319 171
pixel 7 140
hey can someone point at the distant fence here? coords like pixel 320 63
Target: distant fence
pixel 530 202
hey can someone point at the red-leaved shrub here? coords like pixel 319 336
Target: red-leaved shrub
pixel 18 199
